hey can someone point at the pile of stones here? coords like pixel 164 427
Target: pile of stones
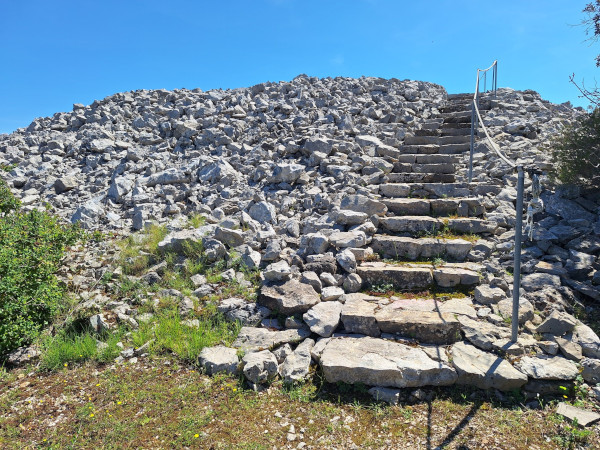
pixel 338 189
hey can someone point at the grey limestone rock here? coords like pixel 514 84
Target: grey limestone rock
pixel 218 359
pixel 484 370
pixel 379 362
pixel 260 367
pixel 323 318
pixel 290 297
pixel 296 366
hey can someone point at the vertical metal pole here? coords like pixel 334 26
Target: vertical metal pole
pixel 495 79
pixel 472 141
pixel 517 264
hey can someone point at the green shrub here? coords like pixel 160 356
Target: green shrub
pixel 32 245
pixel 576 151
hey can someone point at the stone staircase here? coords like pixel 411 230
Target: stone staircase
pixel 432 238
pixel 425 203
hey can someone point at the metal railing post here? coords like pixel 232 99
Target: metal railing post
pixel 471 149
pixel 517 261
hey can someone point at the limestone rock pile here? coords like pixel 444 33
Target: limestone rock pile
pixel 337 189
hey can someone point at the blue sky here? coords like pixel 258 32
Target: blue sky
pixel 56 53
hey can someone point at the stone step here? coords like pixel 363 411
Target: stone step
pixel 380 362
pixel 432 124
pixel 428 327
pixel 398 247
pixel 436 140
pixel 464 207
pixel 457 117
pixel 436 190
pixel 431 149
pixel 424 224
pixel 428 159
pixel 465 106
pixel 407 277
pixel 421 177
pixel 400 167
pixel 456 126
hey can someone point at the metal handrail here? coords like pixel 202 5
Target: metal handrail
pixel 475 119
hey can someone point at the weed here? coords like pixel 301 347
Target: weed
pixel 196 221
pixel 171 335
pixel 69 347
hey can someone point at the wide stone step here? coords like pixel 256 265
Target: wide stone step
pixel 436 190
pixel 456 117
pixel 453 149
pixel 398 247
pixel 400 167
pixel 428 327
pixel 456 132
pixel 379 362
pixel 428 159
pixel 413 177
pixel 436 140
pixel 420 224
pixel 417 276
pixel 464 207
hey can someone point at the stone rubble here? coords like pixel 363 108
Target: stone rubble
pixel 337 190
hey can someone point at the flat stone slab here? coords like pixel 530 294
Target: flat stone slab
pixel 482 334
pixel 397 247
pixel 484 370
pixel 417 304
pixel 400 277
pixel 548 368
pixel 358 316
pixel 429 327
pixel 253 339
pixel 584 418
pixel 289 298
pixel 451 276
pixel 378 362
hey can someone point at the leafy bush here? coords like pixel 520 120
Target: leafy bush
pixel 32 245
pixel 576 151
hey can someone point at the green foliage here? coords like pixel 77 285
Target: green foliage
pixel 576 151
pixel 169 334
pixel 32 245
pixel 70 347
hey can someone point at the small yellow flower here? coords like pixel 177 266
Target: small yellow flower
pixel 119 402
pixel 92 415
pixel 44 439
pixel 234 389
pixel 196 435
pixel 89 407
pixel 98 385
pixel 565 396
pixel 66 364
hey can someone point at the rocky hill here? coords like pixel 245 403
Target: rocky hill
pixel 377 256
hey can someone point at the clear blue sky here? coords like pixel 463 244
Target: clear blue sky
pixel 55 53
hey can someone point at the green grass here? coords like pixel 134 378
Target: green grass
pixel 71 347
pixel 169 334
